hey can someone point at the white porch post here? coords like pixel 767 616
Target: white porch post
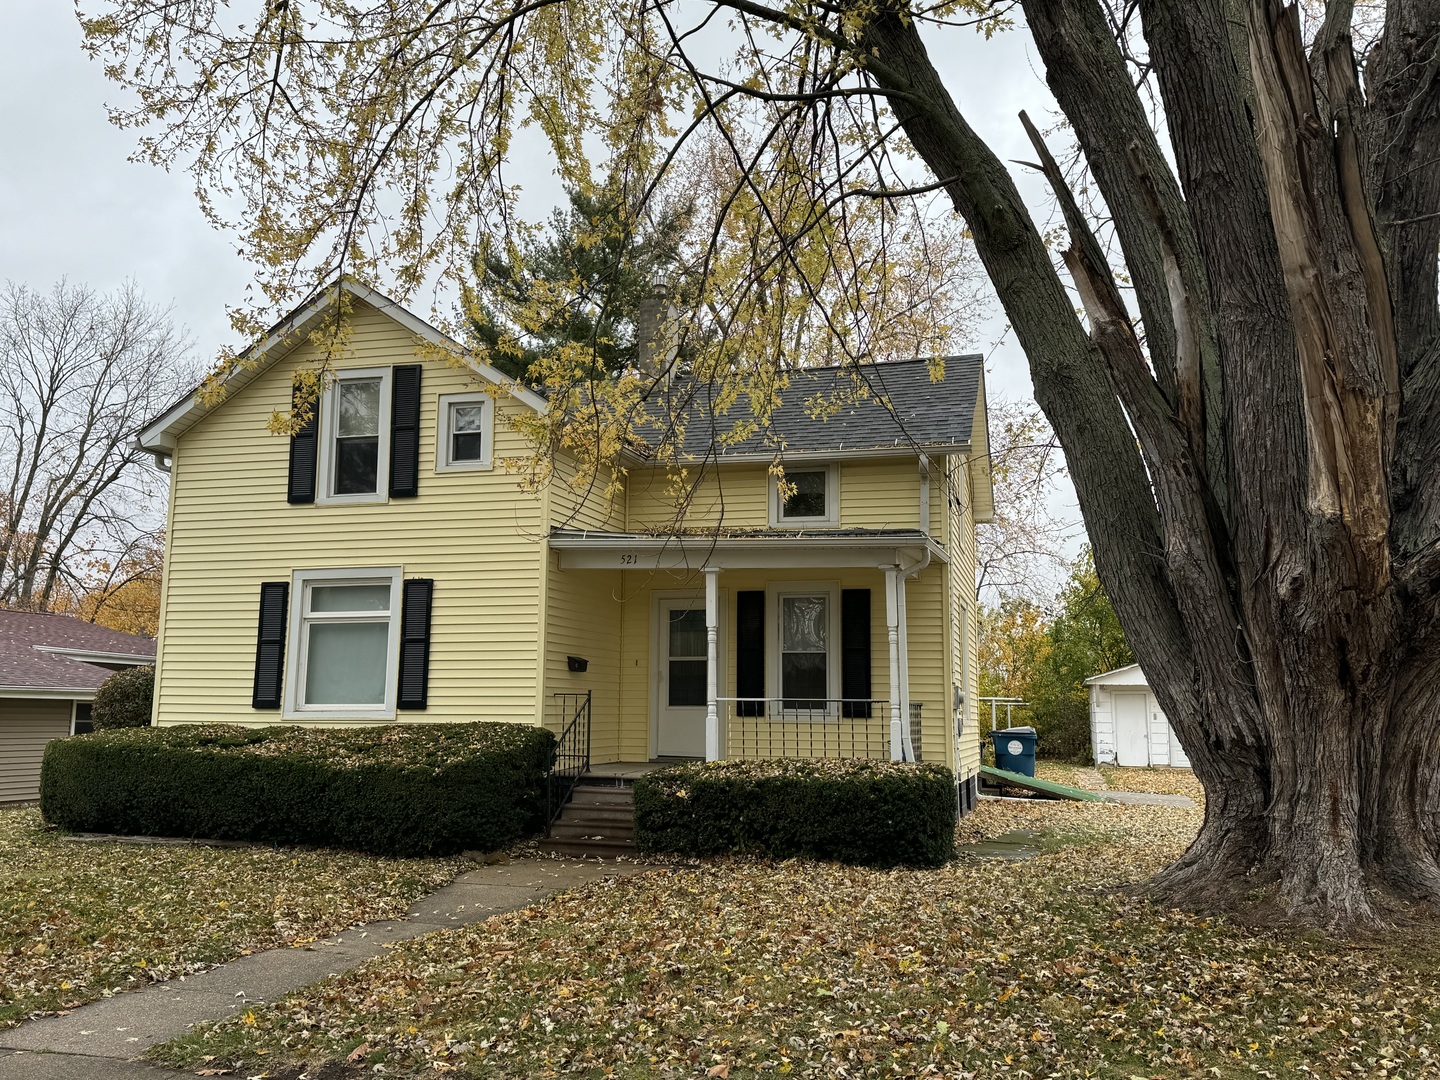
pixel 712 643
pixel 903 619
pixel 892 623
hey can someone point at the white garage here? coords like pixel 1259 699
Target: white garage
pixel 1127 725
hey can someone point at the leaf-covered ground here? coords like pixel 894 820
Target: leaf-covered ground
pixel 740 968
pixel 82 919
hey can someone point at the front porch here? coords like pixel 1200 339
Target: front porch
pixel 751 646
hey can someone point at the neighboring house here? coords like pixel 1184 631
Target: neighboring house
pixel 382 565
pixel 50 668
pixel 1127 725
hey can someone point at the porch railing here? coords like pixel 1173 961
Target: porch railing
pixel 572 752
pixel 806 728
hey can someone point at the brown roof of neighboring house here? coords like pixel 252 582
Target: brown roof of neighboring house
pixel 53 665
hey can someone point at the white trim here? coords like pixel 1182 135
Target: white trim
pixel 62 693
pixel 162 432
pixel 443 442
pixel 775 593
pixel 829 520
pixel 298 637
pixel 1109 678
pixel 602 551
pixel 808 457
pixel 329 416
pixel 90 656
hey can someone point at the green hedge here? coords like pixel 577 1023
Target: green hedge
pixel 401 789
pixel 124 699
pixel 870 813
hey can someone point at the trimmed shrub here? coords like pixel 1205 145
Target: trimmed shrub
pixel 869 813
pixel 401 789
pixel 124 699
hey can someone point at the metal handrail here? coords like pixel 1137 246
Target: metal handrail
pixel 572 754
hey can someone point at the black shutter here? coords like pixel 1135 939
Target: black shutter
pixel 415 643
pixel 303 446
pixel 855 652
pixel 270 644
pixel 405 432
pixel 750 652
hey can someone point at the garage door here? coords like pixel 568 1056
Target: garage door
pixel 25 728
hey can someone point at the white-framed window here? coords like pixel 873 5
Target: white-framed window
pixel 465 432
pixel 354 462
pixel 804 646
pixel 344 643
pixel 82 720
pixel 811 497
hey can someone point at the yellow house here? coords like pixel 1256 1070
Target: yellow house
pixel 384 566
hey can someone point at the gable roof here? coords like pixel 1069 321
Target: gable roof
pixel 903 410
pixel 60 653
pixel 160 434
pixel 872 407
pixel 1129 675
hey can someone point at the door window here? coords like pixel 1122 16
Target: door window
pixel 687 658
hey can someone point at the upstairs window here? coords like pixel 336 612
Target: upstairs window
pixel 355 437
pixel 809 497
pixel 465 432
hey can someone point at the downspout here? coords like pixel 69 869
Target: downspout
pixel 906 572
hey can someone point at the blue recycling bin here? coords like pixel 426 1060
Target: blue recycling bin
pixel 1015 749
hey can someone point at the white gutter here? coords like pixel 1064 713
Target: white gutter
pixel 94 656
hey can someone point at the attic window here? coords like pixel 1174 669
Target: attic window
pixel 466 432
pixel 810 497
pixel 355 437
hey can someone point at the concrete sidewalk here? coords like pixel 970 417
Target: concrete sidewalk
pixel 100 1039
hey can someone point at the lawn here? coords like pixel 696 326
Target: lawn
pixel 740 968
pixel 82 919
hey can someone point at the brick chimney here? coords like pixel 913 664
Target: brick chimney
pixel 655 347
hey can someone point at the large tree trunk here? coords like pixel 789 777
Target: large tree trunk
pixel 1261 497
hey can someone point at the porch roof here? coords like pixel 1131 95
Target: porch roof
pixel 744 549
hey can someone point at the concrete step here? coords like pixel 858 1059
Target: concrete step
pixel 601 816
pixel 601 849
pixel 581 830
pixel 585 795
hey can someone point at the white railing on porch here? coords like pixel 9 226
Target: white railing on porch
pixel 806 727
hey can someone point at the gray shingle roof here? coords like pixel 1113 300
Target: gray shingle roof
pixel 23 665
pixel 900 406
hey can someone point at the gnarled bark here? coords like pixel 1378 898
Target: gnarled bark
pixel 1276 566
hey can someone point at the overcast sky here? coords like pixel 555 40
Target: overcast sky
pixel 75 207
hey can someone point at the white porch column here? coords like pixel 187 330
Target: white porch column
pixel 902 598
pixel 892 624
pixel 712 648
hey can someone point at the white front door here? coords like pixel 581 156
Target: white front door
pixel 683 679
pixel 1132 729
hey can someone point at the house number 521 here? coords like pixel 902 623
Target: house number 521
pixel 628 558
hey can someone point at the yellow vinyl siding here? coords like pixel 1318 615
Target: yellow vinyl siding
pixel 738 491
pixel 579 502
pixel 26 725
pixel 475 532
pixel 964 617
pixel 583 619
pixel 881 493
pixel 875 493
